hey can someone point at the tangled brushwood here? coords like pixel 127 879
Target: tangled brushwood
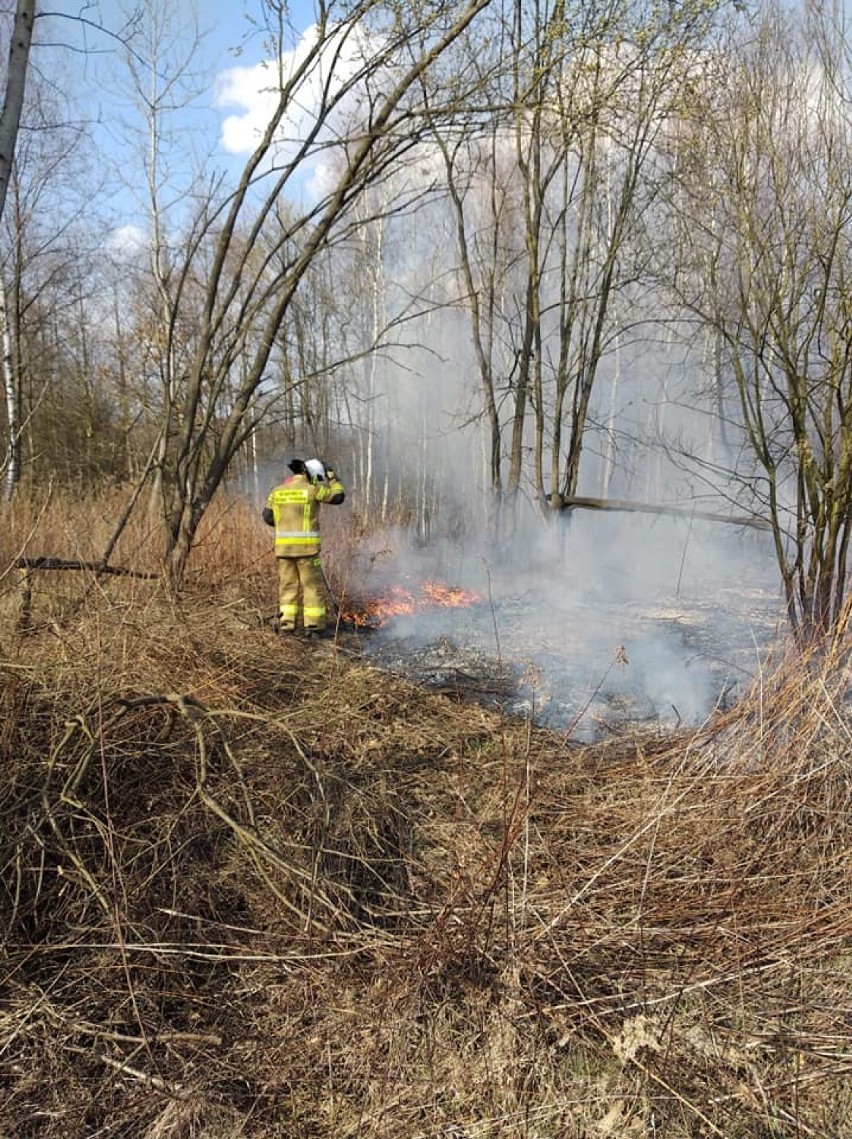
pixel 256 888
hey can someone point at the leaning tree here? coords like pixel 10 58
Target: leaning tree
pixel 244 258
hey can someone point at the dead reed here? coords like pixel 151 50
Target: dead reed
pixel 254 888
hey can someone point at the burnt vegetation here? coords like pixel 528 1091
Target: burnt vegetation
pixel 257 888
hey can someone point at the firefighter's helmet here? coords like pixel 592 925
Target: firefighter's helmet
pixel 315 470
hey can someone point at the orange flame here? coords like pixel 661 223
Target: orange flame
pixel 398 601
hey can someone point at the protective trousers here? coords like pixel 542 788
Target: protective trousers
pixel 301 593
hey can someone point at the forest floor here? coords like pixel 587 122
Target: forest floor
pixel 256 887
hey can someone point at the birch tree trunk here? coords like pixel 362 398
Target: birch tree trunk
pixel 16 80
pixel 10 118
pixel 11 388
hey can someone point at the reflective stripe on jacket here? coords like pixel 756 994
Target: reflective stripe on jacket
pixel 294 505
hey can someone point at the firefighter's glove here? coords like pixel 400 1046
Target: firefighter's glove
pixel 330 474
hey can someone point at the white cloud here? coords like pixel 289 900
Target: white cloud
pixel 250 89
pixel 327 67
pixel 127 240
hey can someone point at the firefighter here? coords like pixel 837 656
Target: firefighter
pixel 293 509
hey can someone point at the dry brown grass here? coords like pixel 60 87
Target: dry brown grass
pixel 255 888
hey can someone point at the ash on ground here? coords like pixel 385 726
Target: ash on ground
pixel 587 670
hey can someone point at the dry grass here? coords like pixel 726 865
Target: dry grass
pixel 255 888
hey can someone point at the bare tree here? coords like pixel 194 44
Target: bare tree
pixel 764 194
pixel 244 303
pixel 42 259
pixel 162 57
pixel 546 230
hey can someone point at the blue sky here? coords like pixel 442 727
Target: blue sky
pixel 231 28
pixel 85 37
pixel 77 52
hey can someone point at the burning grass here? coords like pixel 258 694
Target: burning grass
pixel 399 600
pixel 258 888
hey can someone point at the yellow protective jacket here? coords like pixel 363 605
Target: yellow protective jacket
pixel 292 508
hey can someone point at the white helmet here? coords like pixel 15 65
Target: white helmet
pixel 315 469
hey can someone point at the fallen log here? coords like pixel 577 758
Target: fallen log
pixel 28 565
pixel 653 508
pixel 47 563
